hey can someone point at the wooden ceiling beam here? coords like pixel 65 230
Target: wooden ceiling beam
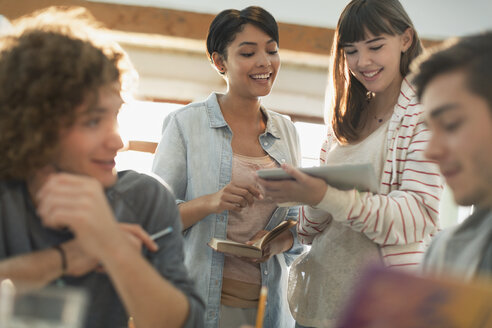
pixel 177 23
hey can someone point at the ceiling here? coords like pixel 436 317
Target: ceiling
pixel 165 41
pixel 434 19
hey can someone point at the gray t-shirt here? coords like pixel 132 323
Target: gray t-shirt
pixel 463 251
pixel 135 198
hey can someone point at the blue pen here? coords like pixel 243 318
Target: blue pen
pixel 161 233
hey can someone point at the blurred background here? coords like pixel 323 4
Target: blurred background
pixel 165 40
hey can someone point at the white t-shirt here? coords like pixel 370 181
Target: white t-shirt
pixel 322 279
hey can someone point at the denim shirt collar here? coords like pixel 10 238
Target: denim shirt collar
pixel 208 161
pixel 216 119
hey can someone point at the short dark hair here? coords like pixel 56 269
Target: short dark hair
pixel 47 69
pixel 228 23
pixel 470 54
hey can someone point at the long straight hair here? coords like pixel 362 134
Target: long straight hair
pixel 350 97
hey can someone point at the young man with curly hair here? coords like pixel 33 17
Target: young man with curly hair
pixel 66 216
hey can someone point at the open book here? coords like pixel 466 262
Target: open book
pixel 389 298
pixel 255 250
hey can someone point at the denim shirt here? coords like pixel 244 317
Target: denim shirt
pixel 194 157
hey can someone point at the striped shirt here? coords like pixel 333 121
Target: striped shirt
pixel 403 217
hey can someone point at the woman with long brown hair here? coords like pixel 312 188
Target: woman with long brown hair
pixel 375 118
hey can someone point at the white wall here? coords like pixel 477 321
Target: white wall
pixel 185 74
pixel 168 72
pixel 432 18
pixel 173 68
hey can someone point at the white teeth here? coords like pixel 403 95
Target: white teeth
pixel 260 76
pixel 370 74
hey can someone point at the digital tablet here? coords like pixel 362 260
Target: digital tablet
pixel 345 177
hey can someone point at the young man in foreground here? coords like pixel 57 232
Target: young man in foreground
pixel 455 87
pixel 66 216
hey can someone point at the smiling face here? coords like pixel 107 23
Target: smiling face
pixel 461 143
pixel 252 63
pixel 375 61
pixel 90 145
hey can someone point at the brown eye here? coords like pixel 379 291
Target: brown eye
pixel 376 48
pixel 93 122
pixel 450 127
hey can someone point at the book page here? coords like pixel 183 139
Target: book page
pixel 254 250
pixel 272 234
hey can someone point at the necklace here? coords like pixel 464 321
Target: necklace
pixel 383 117
pixel 370 96
pixel 380 120
pixel 388 113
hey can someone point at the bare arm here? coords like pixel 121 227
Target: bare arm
pixel 39 268
pixel 48 263
pixel 20 268
pixel 79 203
pixel 194 210
pixel 150 299
pixel 232 197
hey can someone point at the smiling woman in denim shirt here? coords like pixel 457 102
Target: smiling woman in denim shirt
pixel 209 153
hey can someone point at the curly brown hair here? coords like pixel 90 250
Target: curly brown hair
pixel 47 69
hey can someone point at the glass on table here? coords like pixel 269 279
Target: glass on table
pixel 52 307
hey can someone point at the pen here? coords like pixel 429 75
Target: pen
pixel 161 233
pixel 261 307
pixel 131 324
pixel 156 236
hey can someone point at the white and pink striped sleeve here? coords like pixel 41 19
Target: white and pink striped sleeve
pixel 409 212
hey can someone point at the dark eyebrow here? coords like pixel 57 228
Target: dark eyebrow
pixel 93 110
pixel 249 43
pixel 442 109
pixel 379 38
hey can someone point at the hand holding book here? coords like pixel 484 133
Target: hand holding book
pixel 281 243
pixel 259 249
